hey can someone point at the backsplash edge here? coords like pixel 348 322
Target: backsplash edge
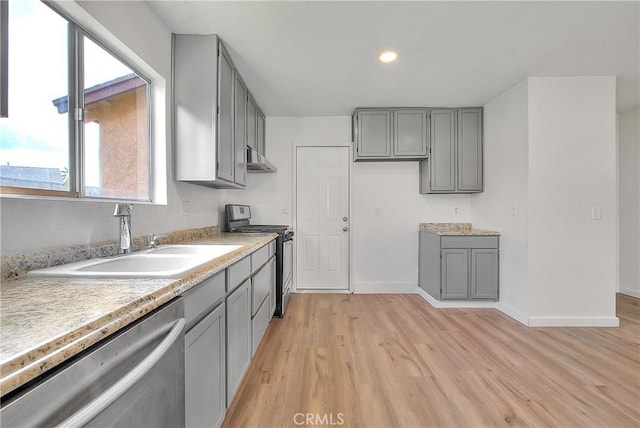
pixel 19 263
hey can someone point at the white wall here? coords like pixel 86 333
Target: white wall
pixel 550 152
pixel 629 202
pixel 506 163
pixel 572 166
pixel 31 224
pixel 385 246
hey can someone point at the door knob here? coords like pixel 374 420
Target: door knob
pixel 344 229
pixel 344 219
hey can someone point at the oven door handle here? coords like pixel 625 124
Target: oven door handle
pixel 97 406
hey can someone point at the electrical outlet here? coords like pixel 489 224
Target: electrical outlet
pixel 186 207
pixel 596 212
pixel 377 211
pixel 515 210
pixel 285 210
pixel 456 211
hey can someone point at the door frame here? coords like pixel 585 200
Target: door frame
pixel 294 208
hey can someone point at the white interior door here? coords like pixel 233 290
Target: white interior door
pixel 322 218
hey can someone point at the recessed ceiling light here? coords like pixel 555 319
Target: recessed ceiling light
pixel 387 56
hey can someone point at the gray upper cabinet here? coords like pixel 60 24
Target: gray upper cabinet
pixel 252 122
pixel 203 86
pixel 260 129
pixel 373 133
pixel 469 145
pixel 225 140
pixel 240 130
pixel 441 167
pixel 390 134
pixel 410 132
pixel 455 157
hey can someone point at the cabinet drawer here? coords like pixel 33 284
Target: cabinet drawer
pixel 238 272
pixel 469 242
pixel 259 325
pixel 259 258
pixel 261 286
pixel 272 248
pixel 203 296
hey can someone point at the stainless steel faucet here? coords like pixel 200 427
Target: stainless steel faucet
pixel 125 244
pixel 151 239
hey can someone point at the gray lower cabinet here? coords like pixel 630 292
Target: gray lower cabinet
pixel 484 273
pixel 205 353
pixel 390 134
pixel 205 373
pixel 272 294
pixel 262 284
pixel 455 274
pixel 455 161
pixel 459 267
pixel 238 337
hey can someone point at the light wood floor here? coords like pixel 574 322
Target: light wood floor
pixel 394 361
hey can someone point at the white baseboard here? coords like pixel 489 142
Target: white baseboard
pixel 323 291
pixel 510 311
pixel 384 288
pixel 630 292
pixel 454 303
pixel 574 321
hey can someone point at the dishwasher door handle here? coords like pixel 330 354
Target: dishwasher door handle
pixel 95 407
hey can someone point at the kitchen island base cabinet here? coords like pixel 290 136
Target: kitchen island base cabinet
pixel 459 267
pixel 239 337
pixel 205 373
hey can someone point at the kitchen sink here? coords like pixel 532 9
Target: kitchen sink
pixel 169 261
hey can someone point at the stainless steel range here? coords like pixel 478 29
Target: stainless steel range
pixel 237 220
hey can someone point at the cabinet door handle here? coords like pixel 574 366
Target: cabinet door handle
pixel 345 229
pixel 97 406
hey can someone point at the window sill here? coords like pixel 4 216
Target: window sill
pixel 55 195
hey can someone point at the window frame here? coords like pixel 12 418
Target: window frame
pixel 4 58
pixel 77 112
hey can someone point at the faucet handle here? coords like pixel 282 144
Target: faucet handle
pixel 151 238
pixel 123 210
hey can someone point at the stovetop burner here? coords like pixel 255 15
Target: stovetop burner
pixel 237 220
pixel 262 228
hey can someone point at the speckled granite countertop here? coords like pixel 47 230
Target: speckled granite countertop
pixel 445 229
pixel 45 321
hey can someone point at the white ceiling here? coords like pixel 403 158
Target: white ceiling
pixel 303 58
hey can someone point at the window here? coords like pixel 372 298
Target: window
pixel 78 115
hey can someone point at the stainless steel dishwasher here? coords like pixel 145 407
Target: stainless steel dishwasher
pixel 135 379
